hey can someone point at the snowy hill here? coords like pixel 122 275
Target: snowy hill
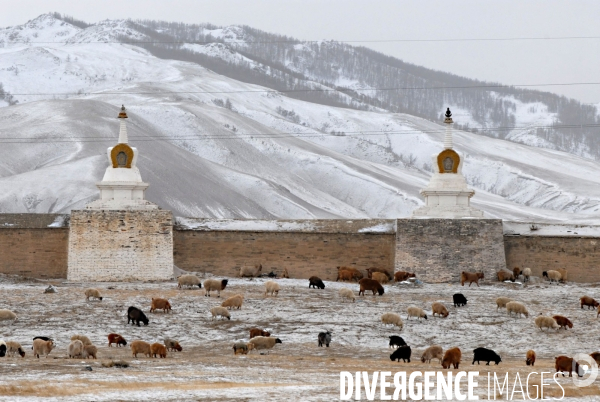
pixel 214 146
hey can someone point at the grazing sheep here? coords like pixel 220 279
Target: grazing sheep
pixel 370 284
pixel 396 341
pixel 216 285
pixel 264 342
pixel 235 301
pixel 530 358
pixel 75 348
pixel 563 274
pixel 240 347
pixel 401 276
pixel 162 304
pixel 387 273
pixel 563 321
pixel 93 293
pixel 393 319
pixel 135 315
pixel 189 281
pixel 42 347
pixel 116 338
pixel 459 300
pixel 403 352
pixel 13 347
pixel 516 272
pixel 172 345
pixel 6 315
pixel 470 277
pixel 158 349
pixel 89 351
pixel 84 339
pixel 487 355
pixel 344 276
pixel 553 276
pixel 501 302
pixel 380 277
pixel 349 274
pixel 589 302
pixel 439 309
pixel 315 282
pixel 451 358
pixel 505 275
pixel 546 322
pixel 254 332
pixel 416 312
pixel 250 272
pixel 324 338
pixel 526 274
pixel 432 352
pixel 140 347
pixel 516 307
pixel 285 274
pixel 346 293
pixel 219 311
pixel 596 357
pixel 565 363
pixel 272 287
pixel 3 348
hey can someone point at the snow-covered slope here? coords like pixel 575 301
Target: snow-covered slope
pixel 256 159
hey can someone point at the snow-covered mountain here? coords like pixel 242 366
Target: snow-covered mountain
pixel 215 146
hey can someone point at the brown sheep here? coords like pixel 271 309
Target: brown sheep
pixel 589 302
pixel 598 312
pixel 380 277
pixel 563 321
pixel 565 363
pixel 451 358
pixel 158 349
pixel 116 338
pixel 505 275
pixel 140 347
pixel 530 358
pixel 470 277
pixel 172 345
pixel 344 275
pixel 162 304
pixel 517 271
pixel 596 356
pixel 89 351
pixel 370 284
pixel 258 332
pixel 401 276
pixel 382 270
pixel 439 309
pixel 356 274
pixel 432 352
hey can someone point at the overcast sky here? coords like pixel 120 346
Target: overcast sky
pixel 509 62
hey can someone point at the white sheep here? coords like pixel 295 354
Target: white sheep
pixel 75 348
pixel 501 302
pixel 546 322
pixel 526 274
pixel 416 312
pixel 264 342
pixel 346 293
pixel 84 339
pixel 432 352
pixel 516 307
pixel 554 276
pixel 439 309
pixel 250 271
pixel 272 287
pixel 13 347
pixel 89 351
pixel 188 280
pixel 214 285
pixel 93 293
pixel 220 311
pixel 393 319
pixel 42 347
pixel 6 315
pixel 233 302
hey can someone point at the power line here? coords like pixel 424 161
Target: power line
pixel 278 135
pixel 80 93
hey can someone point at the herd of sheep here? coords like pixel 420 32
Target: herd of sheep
pixel 81 346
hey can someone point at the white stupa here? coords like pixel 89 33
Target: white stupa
pixel 447 195
pixel 122 187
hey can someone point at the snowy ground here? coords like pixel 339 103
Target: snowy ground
pixel 207 368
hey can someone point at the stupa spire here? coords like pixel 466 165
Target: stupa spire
pixel 448 137
pixel 123 128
